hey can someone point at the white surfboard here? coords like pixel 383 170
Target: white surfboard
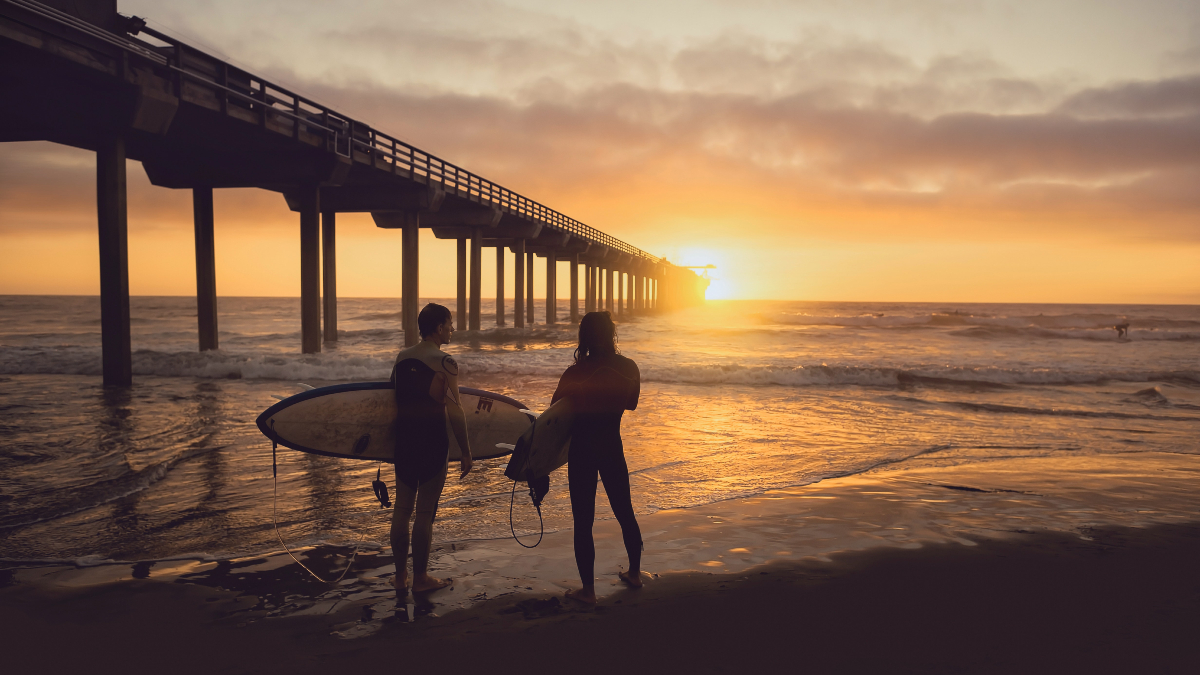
pixel 545 445
pixel 358 421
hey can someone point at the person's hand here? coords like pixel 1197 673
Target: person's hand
pixel 465 464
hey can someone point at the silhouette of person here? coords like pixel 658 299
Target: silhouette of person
pixel 601 385
pixel 426 383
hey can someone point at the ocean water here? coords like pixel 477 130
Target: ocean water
pixel 738 397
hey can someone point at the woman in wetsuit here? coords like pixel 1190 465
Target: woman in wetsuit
pixel 601 386
pixel 426 383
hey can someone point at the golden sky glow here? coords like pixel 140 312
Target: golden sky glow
pixel 878 150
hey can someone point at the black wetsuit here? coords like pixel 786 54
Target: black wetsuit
pixel 422 444
pixel 601 389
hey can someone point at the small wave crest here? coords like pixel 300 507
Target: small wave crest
pixel 327 366
pixel 1106 334
pixel 1054 322
pixel 947 377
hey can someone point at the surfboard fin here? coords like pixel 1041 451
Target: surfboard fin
pixel 381 491
pixel 538 488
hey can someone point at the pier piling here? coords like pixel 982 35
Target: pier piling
pixel 551 291
pixel 575 288
pixel 499 286
pixel 410 276
pixel 476 277
pixel 111 216
pixel 519 283
pixel 206 273
pixel 310 269
pixel 461 308
pixel 328 276
pixel 529 287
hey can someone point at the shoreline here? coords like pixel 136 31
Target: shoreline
pixel 782 559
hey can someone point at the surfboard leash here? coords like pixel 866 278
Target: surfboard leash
pixel 275 519
pixel 537 504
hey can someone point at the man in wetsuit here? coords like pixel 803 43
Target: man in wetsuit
pixel 426 383
pixel 601 386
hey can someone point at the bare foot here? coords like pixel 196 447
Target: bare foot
pixel 400 583
pixel 586 595
pixel 426 584
pixel 632 578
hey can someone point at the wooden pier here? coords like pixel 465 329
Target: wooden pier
pixel 77 72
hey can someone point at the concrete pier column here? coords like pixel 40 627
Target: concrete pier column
pixel 587 288
pixel 622 293
pixel 551 291
pixel 575 288
pixel 329 274
pixel 310 269
pixel 410 274
pixel 529 288
pixel 601 292
pixel 112 221
pixel 206 268
pixel 519 283
pixel 461 307
pixel 633 293
pixel 476 277
pixel 608 289
pixel 499 285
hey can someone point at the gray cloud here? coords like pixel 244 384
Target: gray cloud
pixel 1179 96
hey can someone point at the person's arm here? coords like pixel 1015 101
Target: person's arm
pixel 564 387
pixel 455 413
pixel 635 388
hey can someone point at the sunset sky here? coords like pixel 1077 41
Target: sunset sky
pixel 917 150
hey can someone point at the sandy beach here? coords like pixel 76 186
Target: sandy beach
pixel 929 569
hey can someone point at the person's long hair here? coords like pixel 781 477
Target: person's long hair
pixel 597 336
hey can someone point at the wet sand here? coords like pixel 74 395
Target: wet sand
pixel 930 569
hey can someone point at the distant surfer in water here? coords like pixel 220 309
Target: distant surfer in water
pixel 601 386
pixel 426 382
pixel 1122 329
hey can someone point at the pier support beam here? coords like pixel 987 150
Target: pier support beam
pixel 206 268
pixel 587 288
pixel 633 293
pixel 608 289
pixel 410 274
pixel 519 285
pixel 551 291
pixel 622 278
pixel 499 286
pixel 476 277
pixel 329 274
pixel 601 300
pixel 575 288
pixel 310 269
pixel 529 287
pixel 112 220
pixel 461 308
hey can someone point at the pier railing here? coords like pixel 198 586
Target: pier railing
pixel 206 80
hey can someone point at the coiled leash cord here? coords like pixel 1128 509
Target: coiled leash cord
pixel 537 504
pixel 275 520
